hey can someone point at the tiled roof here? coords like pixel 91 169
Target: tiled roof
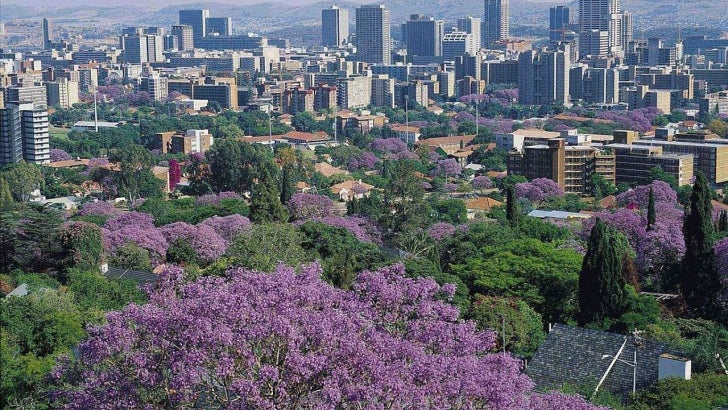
pixel 573 355
pixel 483 203
pixel 135 275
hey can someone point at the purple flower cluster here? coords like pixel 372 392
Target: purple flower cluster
pixel 538 190
pixel 393 148
pixel 59 155
pixel 99 208
pixel 450 187
pixel 228 227
pixel 443 230
pixel 214 199
pixel 640 196
pixel 307 206
pixel 721 256
pixel 638 120
pixel 482 182
pixel 289 340
pixel 448 167
pixel 365 160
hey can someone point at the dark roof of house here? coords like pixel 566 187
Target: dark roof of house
pixel 135 275
pixel 573 355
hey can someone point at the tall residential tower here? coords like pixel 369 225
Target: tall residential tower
pixel 373 34
pixel 334 26
pixel 496 21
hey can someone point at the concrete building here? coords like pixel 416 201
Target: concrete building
pixel 334 26
pixel 559 19
pixel 423 37
pixel 197 19
pixel 471 25
pixel 62 93
pixel 373 34
pixel 139 49
pixel 634 163
pixel 594 85
pixel 603 16
pixel 24 134
pixel 218 26
pixel 383 90
pixel 716 104
pixel 36 94
pixel 298 100
pixel 224 94
pixel 543 76
pixel 47 43
pixel 710 158
pixel 155 85
pixel 185 37
pixel 354 92
pixel 457 43
pixel 496 21
pixel 191 141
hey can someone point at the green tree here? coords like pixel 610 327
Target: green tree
pixel 39 247
pixel 701 392
pixel 658 174
pixel 131 256
pixel 265 202
pixel 601 283
pixel 651 215
pixel 81 245
pixel 723 221
pixel 6 196
pixel 451 210
pixel 23 179
pixel 699 278
pixel 404 195
pixel 268 245
pixel 601 187
pixel 134 177
pixel 519 327
pixel 181 252
pixel 8 242
pixel 512 206
pixel 288 183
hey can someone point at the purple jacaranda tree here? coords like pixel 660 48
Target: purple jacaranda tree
pixel 441 230
pixel 228 227
pixel 538 190
pixel 99 208
pixel 289 340
pixel 482 182
pixel 638 197
pixel 721 258
pixel 307 206
pixel 448 167
pixel 138 219
pixel 392 148
pixel 365 160
pixel 449 187
pixel 214 199
pixel 59 155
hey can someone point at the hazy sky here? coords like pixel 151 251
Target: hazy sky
pixel 157 4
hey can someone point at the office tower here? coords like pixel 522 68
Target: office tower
pixel 24 134
pixel 593 43
pixel 558 21
pixel 471 25
pixel 456 44
pixel 62 93
pixel 496 21
pixel 220 26
pixel 185 37
pixel 423 36
pixel 46 34
pixel 142 48
pixel 155 86
pixel 334 26
pixel 36 94
pixel 197 19
pixel 171 43
pixel 543 76
pixel 605 15
pixel 373 37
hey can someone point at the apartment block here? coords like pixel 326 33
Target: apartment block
pixel 24 133
pixel 634 163
pixel 191 141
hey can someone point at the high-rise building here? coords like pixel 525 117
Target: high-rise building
pixel 62 93
pixel 423 36
pixel 197 19
pixel 46 34
pixel 543 76
pixel 471 25
pixel 457 43
pixel 606 15
pixel 185 37
pixel 154 85
pixel 36 94
pixel 559 19
pixel 24 134
pixel 142 48
pixel 496 21
pixel 373 34
pixel 218 26
pixel 334 26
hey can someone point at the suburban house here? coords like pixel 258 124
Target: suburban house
pixel 351 189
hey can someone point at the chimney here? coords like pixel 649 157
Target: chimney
pixel 674 366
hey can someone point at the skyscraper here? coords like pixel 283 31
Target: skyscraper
pixel 221 26
pixel 197 19
pixel 471 25
pixel 605 15
pixel 559 18
pixel 496 21
pixel 334 26
pixel 46 34
pixel 24 134
pixel 423 36
pixel 543 76
pixel 373 37
pixel 185 37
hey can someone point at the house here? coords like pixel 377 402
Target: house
pixel 66 203
pixel 558 215
pixel 70 163
pixel 578 356
pixel 447 145
pixel 481 206
pixel 349 190
pixel 407 133
pixel 300 138
pixel 329 170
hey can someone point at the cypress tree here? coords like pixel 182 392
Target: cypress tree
pixel 723 221
pixel 651 216
pixel 288 187
pixel 6 196
pixel 511 206
pixel 699 277
pixel 601 282
pixel 265 201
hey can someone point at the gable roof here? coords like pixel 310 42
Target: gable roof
pixel 483 203
pixel 349 186
pixel 574 355
pixel 328 170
